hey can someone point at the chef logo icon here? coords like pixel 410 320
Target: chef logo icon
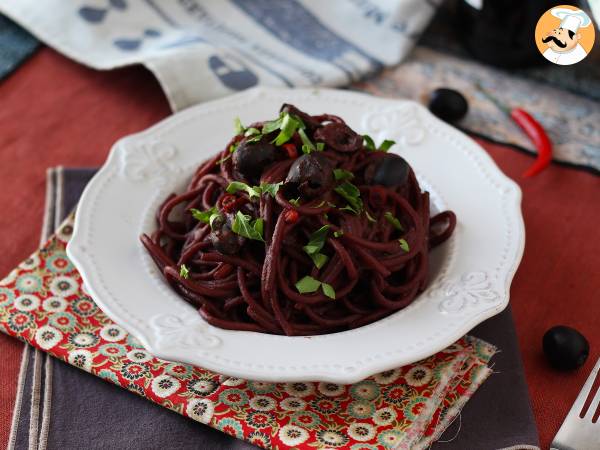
pixel 564 35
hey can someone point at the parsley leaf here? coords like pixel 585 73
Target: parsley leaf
pixel 320 146
pixel 339 233
pixel 235 186
pixel 385 145
pixel 404 245
pixel 248 228
pixel 251 132
pixel 214 217
pixel 289 125
pixel 239 128
pixel 295 201
pixel 222 160
pixel 307 145
pixel 233 147
pixel 342 175
pixel 368 142
pixel 273 125
pixel 204 216
pixel 319 259
pixel 328 290
pixel 352 196
pixel 393 220
pixel 270 188
pixel 184 272
pixel 308 285
pixel 316 240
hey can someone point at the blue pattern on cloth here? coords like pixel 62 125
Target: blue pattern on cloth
pixel 16 45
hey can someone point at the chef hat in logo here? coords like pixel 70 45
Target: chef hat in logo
pixel 570 19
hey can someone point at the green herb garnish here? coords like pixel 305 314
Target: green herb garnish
pixel 352 196
pixel 339 233
pixel 233 147
pixel 204 216
pixel 308 285
pixel 342 175
pixel 393 220
pixel 404 245
pixel 222 160
pixel 270 188
pixel 316 242
pixel 385 145
pixel 368 142
pixel 184 272
pixel 295 201
pixel 239 128
pixel 320 146
pixel 248 228
pixel 289 125
pixel 235 186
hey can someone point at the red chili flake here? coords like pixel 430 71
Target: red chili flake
pixel 291 216
pixel 230 202
pixel 290 149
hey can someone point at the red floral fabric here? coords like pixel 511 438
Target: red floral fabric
pixel 44 303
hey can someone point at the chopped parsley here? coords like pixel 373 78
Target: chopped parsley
pixel 342 175
pixel 308 285
pixel 248 228
pixel 184 272
pixel 288 126
pixel 270 188
pixel 352 196
pixel 239 128
pixel 369 143
pixel 295 201
pixel 204 216
pixel 339 233
pixel 236 186
pixel 316 242
pixel 404 245
pixel 393 220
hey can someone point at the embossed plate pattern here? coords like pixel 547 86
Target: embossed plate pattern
pixel 470 274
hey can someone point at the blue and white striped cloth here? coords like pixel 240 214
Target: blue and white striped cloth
pixel 204 49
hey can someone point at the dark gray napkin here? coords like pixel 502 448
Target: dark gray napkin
pixel 16 45
pixel 61 407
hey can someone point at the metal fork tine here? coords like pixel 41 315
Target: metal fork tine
pixel 585 391
pixel 589 415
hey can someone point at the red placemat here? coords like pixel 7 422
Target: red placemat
pixel 55 111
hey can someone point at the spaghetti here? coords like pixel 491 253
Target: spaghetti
pixel 300 226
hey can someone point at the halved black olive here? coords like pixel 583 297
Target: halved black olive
pixel 307 119
pixel 565 347
pixel 388 170
pixel 223 239
pixel 251 158
pixel 310 176
pixel 339 137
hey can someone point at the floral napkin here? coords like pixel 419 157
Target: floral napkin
pixel 44 303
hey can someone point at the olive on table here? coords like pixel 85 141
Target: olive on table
pixel 339 137
pixel 388 170
pixel 311 175
pixel 250 158
pixel 565 347
pixel 448 104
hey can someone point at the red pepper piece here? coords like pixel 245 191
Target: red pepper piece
pixel 291 150
pixel 291 216
pixel 534 130
pixel 230 202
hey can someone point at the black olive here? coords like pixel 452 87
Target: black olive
pixel 339 137
pixel 310 176
pixel 251 158
pixel 388 170
pixel 223 239
pixel 310 122
pixel 448 104
pixel 565 347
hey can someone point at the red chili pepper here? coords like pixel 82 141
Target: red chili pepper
pixel 291 216
pixel 230 202
pixel 534 131
pixel 291 150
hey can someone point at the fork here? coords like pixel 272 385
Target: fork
pixel 576 432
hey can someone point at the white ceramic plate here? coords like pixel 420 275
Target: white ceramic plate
pixel 470 274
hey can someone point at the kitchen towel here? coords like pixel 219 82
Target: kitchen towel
pixel 16 45
pixel 498 416
pixel 200 50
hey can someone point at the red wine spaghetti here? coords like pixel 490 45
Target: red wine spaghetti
pixel 300 226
